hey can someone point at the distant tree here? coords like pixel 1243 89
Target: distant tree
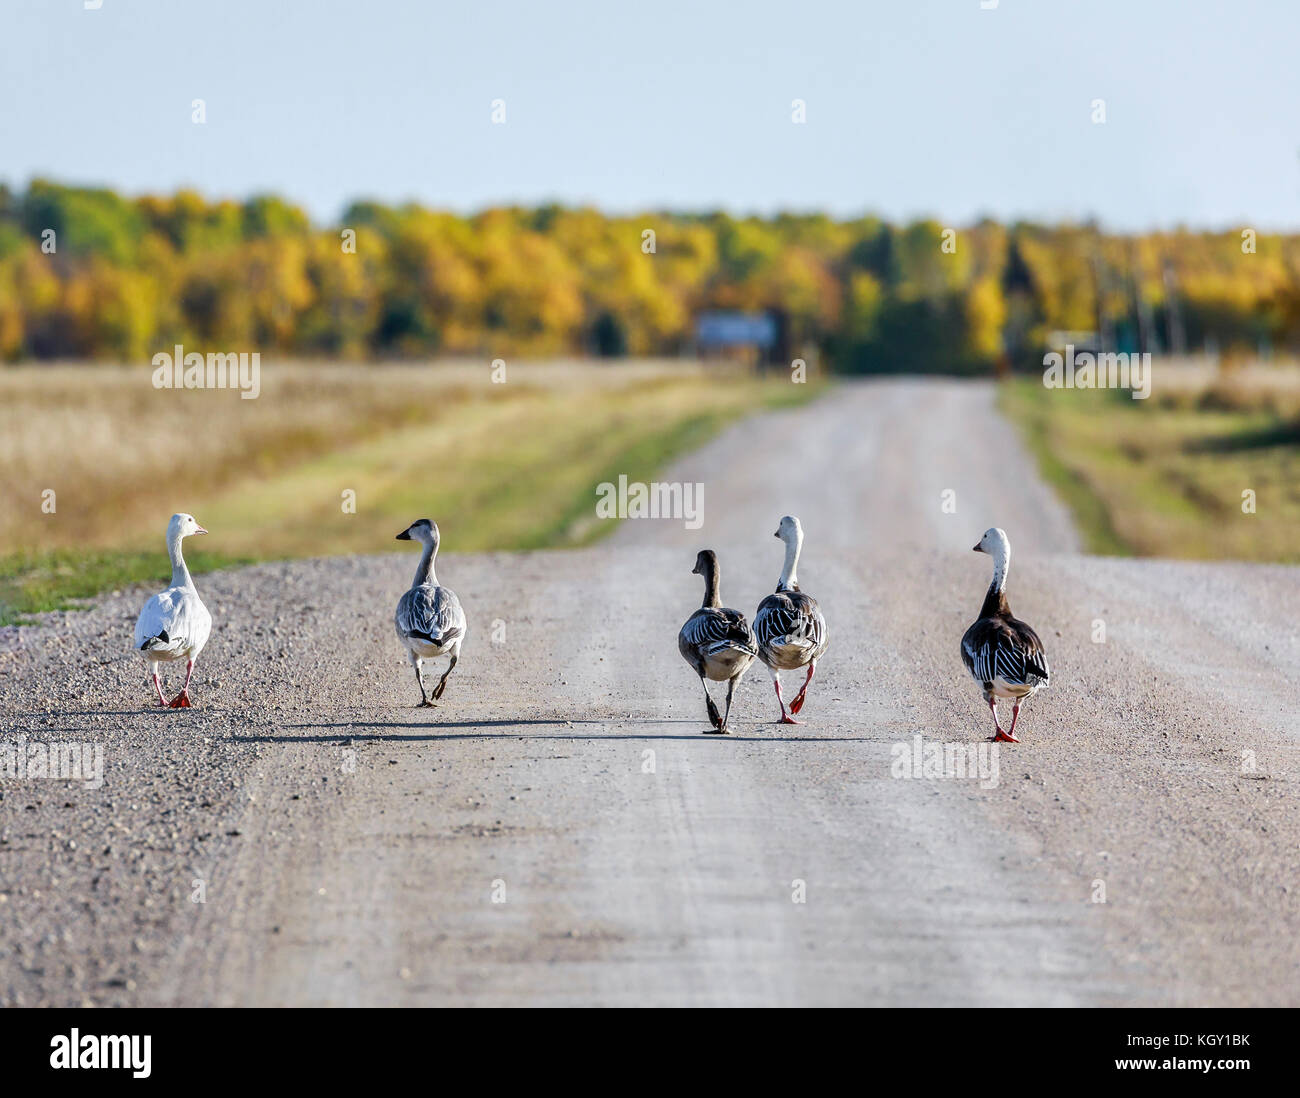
pixel 118 278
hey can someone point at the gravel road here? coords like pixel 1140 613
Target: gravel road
pixel 557 831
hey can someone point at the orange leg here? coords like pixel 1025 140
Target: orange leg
pixel 785 717
pixel 797 704
pixel 182 700
pixel 1009 736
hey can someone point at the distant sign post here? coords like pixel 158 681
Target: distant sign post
pixel 725 331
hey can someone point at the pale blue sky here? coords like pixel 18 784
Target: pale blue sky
pixel 914 107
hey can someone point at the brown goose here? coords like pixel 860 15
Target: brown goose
pixel 716 641
pixel 1002 653
pixel 789 626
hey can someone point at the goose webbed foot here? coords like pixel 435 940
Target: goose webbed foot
pixel 442 682
pixel 785 717
pixel 715 718
pixel 1009 736
pixel 720 728
pixel 801 697
pixel 425 703
pixel 182 700
pixel 999 736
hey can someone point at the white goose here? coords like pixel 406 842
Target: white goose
pixel 175 624
pixel 716 641
pixel 429 620
pixel 789 625
pixel 1002 653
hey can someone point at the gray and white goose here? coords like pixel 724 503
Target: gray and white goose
pixel 429 620
pixel 716 641
pixel 789 625
pixel 1002 653
pixel 174 624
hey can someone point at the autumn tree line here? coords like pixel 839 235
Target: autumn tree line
pixel 89 274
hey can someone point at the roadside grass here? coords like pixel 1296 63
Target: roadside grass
pixel 1165 476
pixel 33 582
pixel 501 467
pixel 1018 401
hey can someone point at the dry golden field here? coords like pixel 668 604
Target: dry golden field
pixel 500 465
pixel 1168 476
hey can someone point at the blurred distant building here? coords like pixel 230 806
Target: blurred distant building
pixel 1057 341
pixel 756 338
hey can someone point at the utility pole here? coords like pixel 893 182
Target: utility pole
pixel 1177 336
pixel 1146 337
pixel 1105 339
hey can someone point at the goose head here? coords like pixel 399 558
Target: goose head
pixel 182 526
pixel 994 542
pixel 422 530
pixel 789 530
pixel 705 560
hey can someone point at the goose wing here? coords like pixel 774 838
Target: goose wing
pixel 711 628
pixel 1006 649
pixel 791 618
pixel 174 620
pixel 430 613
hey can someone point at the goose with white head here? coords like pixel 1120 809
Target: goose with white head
pixel 174 624
pixel 789 625
pixel 1002 653
pixel 429 619
pixel 716 641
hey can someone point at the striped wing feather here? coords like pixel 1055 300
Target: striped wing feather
pixel 432 613
pixel 790 617
pixel 1006 649
pixel 712 627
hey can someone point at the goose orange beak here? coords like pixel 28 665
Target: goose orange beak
pixel 200 530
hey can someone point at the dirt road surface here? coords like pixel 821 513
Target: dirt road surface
pixel 558 831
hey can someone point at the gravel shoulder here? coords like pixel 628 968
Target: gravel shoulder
pixel 349 848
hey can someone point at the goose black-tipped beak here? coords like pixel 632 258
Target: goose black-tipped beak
pixel 974 548
pixel 405 535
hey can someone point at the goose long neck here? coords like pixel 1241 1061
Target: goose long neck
pixel 711 597
pixel 424 573
pixel 788 577
pixel 996 599
pixel 180 573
